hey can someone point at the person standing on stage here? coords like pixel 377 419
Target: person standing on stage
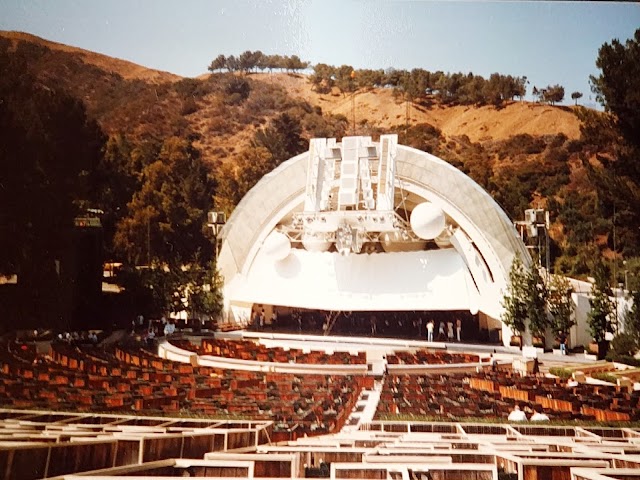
pixel 458 329
pixel 430 327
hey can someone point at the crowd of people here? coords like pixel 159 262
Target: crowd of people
pixel 445 330
pixel 452 326
pixel 150 331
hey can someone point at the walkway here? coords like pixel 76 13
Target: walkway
pixel 364 409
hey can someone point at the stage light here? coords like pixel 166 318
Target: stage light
pixel 427 221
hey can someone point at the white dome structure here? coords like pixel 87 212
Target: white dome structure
pixel 435 240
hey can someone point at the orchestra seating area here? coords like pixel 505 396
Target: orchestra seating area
pixel 496 393
pixel 250 350
pixel 127 407
pixel 135 380
pixel 431 357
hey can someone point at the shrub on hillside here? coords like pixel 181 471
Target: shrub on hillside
pixel 318 126
pixel 521 143
pixel 557 140
pixel 219 126
pixel 189 106
pixel 237 90
pixel 623 345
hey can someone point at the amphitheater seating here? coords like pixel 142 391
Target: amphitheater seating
pixel 134 379
pixel 248 350
pixel 424 356
pixel 496 393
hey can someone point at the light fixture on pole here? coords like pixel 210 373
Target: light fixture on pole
pixel 216 220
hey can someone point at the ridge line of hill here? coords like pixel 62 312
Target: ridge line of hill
pixel 125 68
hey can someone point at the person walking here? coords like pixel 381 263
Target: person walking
pixel 441 334
pixel 430 327
pixel 563 344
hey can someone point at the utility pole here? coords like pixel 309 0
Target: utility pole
pixel 353 98
pixel 615 269
pixel 149 241
pixel 353 110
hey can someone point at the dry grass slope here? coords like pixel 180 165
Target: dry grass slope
pixel 144 101
pixel 380 109
pixel 128 70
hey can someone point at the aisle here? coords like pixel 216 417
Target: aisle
pixel 364 409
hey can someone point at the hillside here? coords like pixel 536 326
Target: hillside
pixel 524 154
pixel 127 70
pixel 114 82
pixel 378 108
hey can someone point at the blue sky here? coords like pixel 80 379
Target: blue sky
pixel 549 42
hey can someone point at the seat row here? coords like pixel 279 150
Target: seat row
pixel 431 357
pixel 250 350
pixel 495 394
pixel 126 379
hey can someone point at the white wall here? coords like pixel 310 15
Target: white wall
pixel 579 334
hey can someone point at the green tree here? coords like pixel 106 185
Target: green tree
pixel 218 64
pixel 623 346
pixel 249 60
pixel 232 63
pixel 237 178
pixel 271 146
pixel 473 91
pixel 536 93
pixel 494 91
pixel 49 151
pixel 203 293
pixel 282 138
pixel 367 78
pixel 322 78
pixel 392 77
pixel 553 94
pixel 576 96
pixel 515 298
pixel 166 218
pixel 616 135
pixel 618 84
pixel 195 288
pixel 521 87
pixel 631 318
pixel 275 61
pixel 536 299
pixel 602 308
pixel 118 178
pixel 294 63
pixel 345 79
pixel 560 305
